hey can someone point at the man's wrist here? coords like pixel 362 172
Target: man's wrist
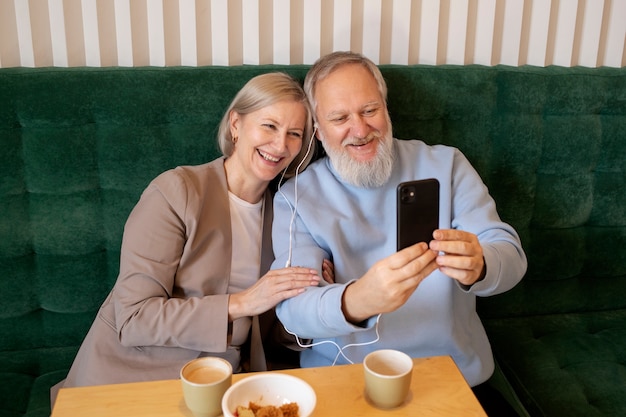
pixel 350 309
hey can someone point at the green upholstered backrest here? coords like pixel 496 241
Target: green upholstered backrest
pixel 550 143
pixel 78 145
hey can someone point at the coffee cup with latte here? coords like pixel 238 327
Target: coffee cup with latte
pixel 204 381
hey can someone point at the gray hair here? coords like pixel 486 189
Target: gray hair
pixel 324 66
pixel 262 91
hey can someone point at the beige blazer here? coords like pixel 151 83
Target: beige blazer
pixel 169 304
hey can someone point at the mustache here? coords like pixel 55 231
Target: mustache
pixel 361 141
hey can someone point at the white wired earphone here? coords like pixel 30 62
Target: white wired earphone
pixel 340 349
pixel 294 208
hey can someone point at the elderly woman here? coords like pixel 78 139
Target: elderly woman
pixel 194 270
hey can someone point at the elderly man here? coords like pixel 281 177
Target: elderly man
pixel 420 300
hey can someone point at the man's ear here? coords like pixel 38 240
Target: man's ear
pixel 318 134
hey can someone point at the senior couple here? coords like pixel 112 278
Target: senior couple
pixel 198 276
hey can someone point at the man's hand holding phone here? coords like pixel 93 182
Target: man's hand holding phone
pixel 460 255
pixel 387 285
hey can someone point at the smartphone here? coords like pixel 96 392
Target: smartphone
pixel 417 211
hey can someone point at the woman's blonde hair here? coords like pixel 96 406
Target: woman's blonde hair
pixel 262 91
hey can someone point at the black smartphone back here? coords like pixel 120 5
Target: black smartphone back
pixel 417 211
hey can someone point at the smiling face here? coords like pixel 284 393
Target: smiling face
pixel 267 141
pixel 354 125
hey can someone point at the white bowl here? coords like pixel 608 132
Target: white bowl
pixel 269 389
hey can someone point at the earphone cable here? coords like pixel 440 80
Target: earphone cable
pixel 340 350
pixel 294 208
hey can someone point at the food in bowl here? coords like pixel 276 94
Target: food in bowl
pixel 255 410
pixel 268 394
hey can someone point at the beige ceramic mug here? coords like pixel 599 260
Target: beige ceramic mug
pixel 205 380
pixel 387 377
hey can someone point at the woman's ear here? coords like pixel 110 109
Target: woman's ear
pixel 234 119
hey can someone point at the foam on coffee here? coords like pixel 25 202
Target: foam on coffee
pixel 206 375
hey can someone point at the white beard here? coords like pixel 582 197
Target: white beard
pixel 368 174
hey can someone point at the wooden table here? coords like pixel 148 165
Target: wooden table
pixel 437 389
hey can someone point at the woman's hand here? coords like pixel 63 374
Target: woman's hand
pixel 274 287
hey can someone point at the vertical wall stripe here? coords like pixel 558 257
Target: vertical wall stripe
pixel 400 32
pixel 342 22
pixel 106 33
pixel 429 32
pixel 470 33
pixel 172 42
pixel 42 42
pixel 266 31
pixel 219 33
pixel 92 38
pixel 484 31
pixel 606 15
pixel 123 33
pixel 538 33
pixel 616 34
pixel 564 35
pixel 356 25
pixel 372 24
pixel 24 33
pixel 442 32
pixel 511 32
pixel 296 34
pixel 457 32
pixel 525 35
pixel 187 28
pixel 591 31
pixel 281 12
pixel 231 32
pixel 139 32
pixel 498 28
pixel 170 27
pixel 203 27
pixel 74 33
pixel 9 46
pixel 327 27
pixel 311 31
pixel 386 23
pixel 578 28
pixel 156 34
pixel 551 38
pixel 250 31
pixel 414 33
pixel 235 38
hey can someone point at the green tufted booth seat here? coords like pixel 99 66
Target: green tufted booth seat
pixel 78 145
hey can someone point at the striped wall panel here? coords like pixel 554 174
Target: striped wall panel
pixel 39 33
